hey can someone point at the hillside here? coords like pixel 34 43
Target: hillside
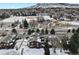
pixel 54 5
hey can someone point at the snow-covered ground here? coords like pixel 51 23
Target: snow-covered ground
pixel 19 18
pixel 9 52
pixel 13 19
pixel 30 51
pixel 70 22
pixel 28 18
pixel 27 50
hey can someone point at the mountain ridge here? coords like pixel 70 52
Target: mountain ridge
pixel 51 5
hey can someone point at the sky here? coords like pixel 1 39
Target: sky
pixel 15 5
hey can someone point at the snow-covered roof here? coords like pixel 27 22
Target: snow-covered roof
pixel 46 17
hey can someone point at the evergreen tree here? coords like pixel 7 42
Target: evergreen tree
pixel 20 25
pixel 29 32
pixel 77 30
pixel 25 24
pixel 14 31
pixel 74 43
pixel 64 42
pixel 52 31
pixel 46 31
pixel 68 31
pixel 42 31
pixel 13 25
pixel 32 30
pixel 73 30
pixel 33 14
pixel 37 30
pixel 46 48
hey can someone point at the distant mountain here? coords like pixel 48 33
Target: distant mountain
pixel 54 5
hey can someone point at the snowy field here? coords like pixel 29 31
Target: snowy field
pixel 70 22
pixel 27 50
pixel 28 18
pixel 30 51
pixel 19 18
